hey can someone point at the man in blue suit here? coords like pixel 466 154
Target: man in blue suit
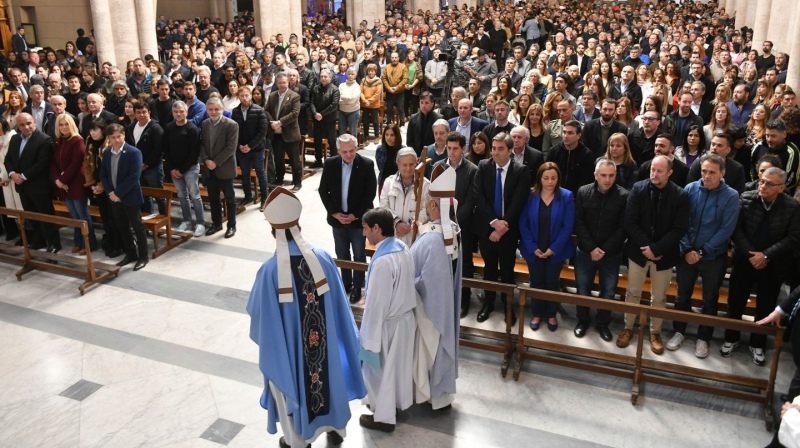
pixel 465 124
pixel 120 173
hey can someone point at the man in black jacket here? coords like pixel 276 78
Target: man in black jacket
pixel 599 212
pixel 734 171
pixel 629 87
pixel 347 189
pixel 148 137
pixel 664 146
pixel 679 122
pixel 419 133
pixel 325 111
pixel 94 102
pixel 643 140
pixel 181 153
pixel 596 132
pixel 465 178
pixel 252 121
pixel 496 218
pixel 575 160
pixel 656 218
pixel 764 242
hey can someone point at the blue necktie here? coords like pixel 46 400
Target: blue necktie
pixel 794 310
pixel 498 194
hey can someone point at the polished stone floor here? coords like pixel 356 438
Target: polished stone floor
pixel 162 358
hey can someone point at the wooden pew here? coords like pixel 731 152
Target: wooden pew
pixel 204 197
pixel 156 222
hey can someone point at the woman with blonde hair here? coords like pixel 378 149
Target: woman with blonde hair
pixel 545 77
pixel 66 168
pixel 720 122
pixel 14 106
pixel 619 152
pixel 756 127
pixel 371 101
pixel 722 94
pixel 534 121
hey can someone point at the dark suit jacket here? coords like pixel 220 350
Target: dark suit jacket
pixel 475 125
pixel 129 170
pixel 634 93
pixel 532 159
pixel 150 143
pixel 515 193
pixel 680 172
pixel 18 43
pixel 706 109
pixel 49 121
pixel 417 136
pixel 253 131
pixel 105 114
pixel 591 135
pixel 12 88
pixel 221 148
pixel 360 193
pixel 33 163
pixel 465 178
pixel 478 101
pixel 288 115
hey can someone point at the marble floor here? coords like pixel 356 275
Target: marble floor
pixel 162 358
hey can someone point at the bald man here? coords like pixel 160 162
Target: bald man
pixel 95 103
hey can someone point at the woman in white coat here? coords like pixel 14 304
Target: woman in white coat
pixel 399 197
pixel 10 194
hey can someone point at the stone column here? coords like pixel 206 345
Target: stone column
pixel 358 10
pixel 752 6
pixel 272 20
pixel 214 9
pixel 741 13
pixel 229 13
pixel 793 75
pixel 296 20
pixel 761 22
pixel 145 21
pixel 123 27
pixel 104 37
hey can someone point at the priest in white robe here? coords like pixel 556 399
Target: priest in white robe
pixel 388 325
pixel 437 282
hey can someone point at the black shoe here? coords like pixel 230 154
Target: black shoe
pixel 334 438
pixel 263 204
pixel 230 232
pixel 354 296
pixel 18 243
pixel 317 164
pixel 12 236
pixel 140 264
pixel 283 444
pixel 580 329
pixel 113 253
pixel 485 311
pixel 245 202
pixel 513 317
pixel 297 188
pixel 552 327
pixel 605 334
pixel 464 311
pixel 213 229
pixel 54 249
pixel 37 246
pixel 127 260
pixel 535 325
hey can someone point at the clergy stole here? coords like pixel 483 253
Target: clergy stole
pixel 315 341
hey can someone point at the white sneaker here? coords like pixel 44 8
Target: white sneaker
pixel 184 226
pixel 675 342
pixel 199 231
pixel 701 349
pixel 728 348
pixel 758 356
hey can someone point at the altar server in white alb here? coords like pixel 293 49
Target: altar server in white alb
pixel 437 280
pixel 306 335
pixel 388 325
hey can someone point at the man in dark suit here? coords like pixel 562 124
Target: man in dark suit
pixel 16 84
pixel 250 153
pixel 476 98
pixel 500 190
pixel 325 111
pixel 664 146
pixel 18 42
pixel 218 154
pixel 28 165
pixel 465 124
pixel 629 87
pixel 283 110
pixel 701 107
pixel 419 133
pixel 678 122
pixel 465 178
pixel 297 87
pixel 94 102
pixel 120 173
pixel 523 154
pixel 347 189
pixel 42 112
pixel 148 137
pixel 596 132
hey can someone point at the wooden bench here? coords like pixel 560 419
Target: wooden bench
pixel 204 197
pixel 62 210
pixel 156 222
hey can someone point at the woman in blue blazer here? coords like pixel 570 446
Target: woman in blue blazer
pixel 546 238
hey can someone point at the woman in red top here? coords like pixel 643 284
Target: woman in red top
pixel 67 170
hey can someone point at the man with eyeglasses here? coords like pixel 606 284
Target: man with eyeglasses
pixel 766 236
pixel 643 140
pixel 775 142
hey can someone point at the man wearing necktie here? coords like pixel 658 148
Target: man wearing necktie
pixel 17 85
pixel 500 190
pixel 18 42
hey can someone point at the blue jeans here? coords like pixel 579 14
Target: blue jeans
pixel 349 120
pixel 545 275
pixel 585 270
pixel 188 187
pixel 344 238
pixel 153 177
pixel 79 209
pixel 248 161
